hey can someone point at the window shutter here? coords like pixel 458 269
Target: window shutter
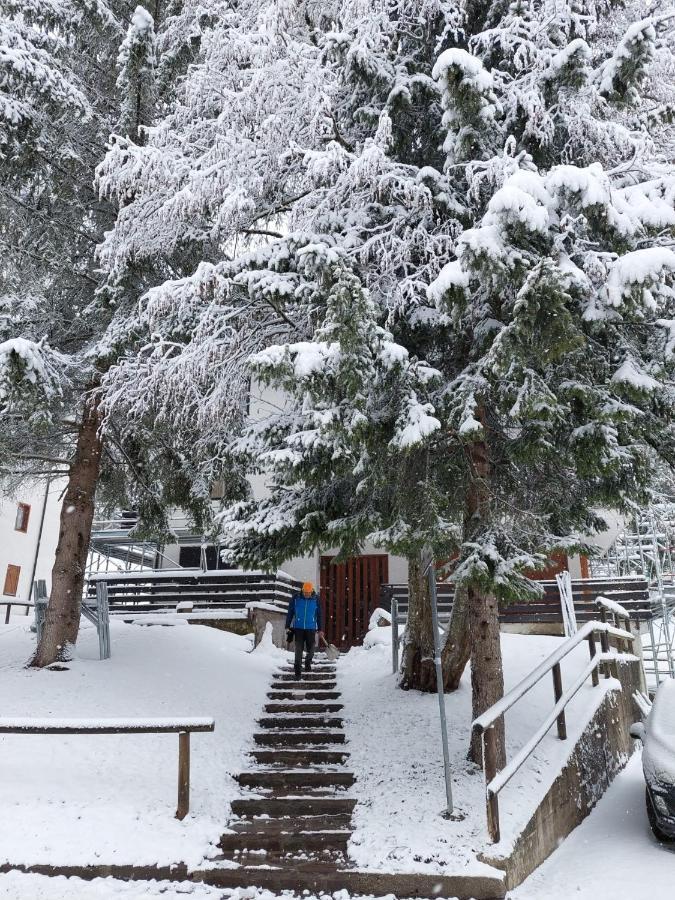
pixel 22 517
pixel 12 580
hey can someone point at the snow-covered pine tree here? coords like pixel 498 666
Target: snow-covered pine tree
pixel 517 159
pixel 209 183
pixel 559 290
pixel 61 100
pixel 256 148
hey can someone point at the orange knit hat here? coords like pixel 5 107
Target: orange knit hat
pixel 308 588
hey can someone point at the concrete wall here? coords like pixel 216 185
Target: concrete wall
pixel 602 751
pixel 19 548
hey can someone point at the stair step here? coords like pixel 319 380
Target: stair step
pixel 292 780
pixel 320 667
pixel 303 695
pixel 291 839
pixel 318 877
pixel 306 676
pixel 288 738
pixel 291 824
pixel 299 758
pixel 307 721
pixel 303 707
pixel 294 806
pixel 284 857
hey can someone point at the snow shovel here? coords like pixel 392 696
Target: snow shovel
pixel 332 652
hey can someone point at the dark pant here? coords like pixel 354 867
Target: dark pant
pixel 305 638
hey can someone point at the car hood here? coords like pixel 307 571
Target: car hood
pixel 658 757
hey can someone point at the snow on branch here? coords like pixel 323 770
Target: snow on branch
pixel 29 367
pixel 638 273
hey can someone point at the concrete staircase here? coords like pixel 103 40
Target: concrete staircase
pixel 293 828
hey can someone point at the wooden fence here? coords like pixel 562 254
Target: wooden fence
pixel 162 590
pixel 631 593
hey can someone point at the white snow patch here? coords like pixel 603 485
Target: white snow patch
pixel 629 372
pixel 612 855
pixel 395 752
pixel 639 267
pixel 88 799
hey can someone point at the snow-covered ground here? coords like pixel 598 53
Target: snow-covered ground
pixel 112 798
pixel 19 886
pixel 395 751
pixel 612 855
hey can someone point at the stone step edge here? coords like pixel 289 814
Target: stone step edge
pixel 358 881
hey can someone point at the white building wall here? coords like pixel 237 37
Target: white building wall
pixel 21 549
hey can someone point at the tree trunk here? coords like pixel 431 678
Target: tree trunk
pixel 487 676
pixel 77 512
pixel 457 648
pixel 417 667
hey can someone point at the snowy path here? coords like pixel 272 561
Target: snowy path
pixel 612 855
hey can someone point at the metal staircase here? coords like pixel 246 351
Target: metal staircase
pixel 646 546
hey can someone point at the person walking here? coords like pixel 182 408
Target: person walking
pixel 303 621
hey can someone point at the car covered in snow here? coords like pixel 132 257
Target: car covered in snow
pixel 658 761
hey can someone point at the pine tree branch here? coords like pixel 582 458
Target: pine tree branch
pixel 45 218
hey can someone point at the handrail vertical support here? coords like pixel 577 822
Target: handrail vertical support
pixel 595 678
pixel 604 646
pixel 394 633
pixel 183 774
pixel 558 692
pixel 438 664
pixel 490 769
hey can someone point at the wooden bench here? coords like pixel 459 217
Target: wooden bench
pixel 182 726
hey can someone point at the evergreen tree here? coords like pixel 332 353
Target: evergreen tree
pixel 493 182
pixel 59 319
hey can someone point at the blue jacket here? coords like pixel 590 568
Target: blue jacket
pixel 304 612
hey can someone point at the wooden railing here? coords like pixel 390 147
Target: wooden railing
pixel 181 726
pixel 162 590
pixel 631 593
pixel 485 725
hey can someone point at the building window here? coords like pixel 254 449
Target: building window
pixel 12 580
pixel 22 517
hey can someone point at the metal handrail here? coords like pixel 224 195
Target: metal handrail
pixel 484 725
pixel 10 602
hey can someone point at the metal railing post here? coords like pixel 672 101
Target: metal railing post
pixel 438 663
pixel 40 604
pixel 394 633
pixel 103 619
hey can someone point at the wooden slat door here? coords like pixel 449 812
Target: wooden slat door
pixel 350 592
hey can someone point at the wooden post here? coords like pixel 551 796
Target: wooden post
pixel 591 649
pixel 9 607
pixel 604 646
pixel 558 691
pixel 490 751
pixel 183 774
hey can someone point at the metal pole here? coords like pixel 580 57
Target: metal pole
pixel 39 537
pixel 431 575
pixel 394 634
pixel 665 612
